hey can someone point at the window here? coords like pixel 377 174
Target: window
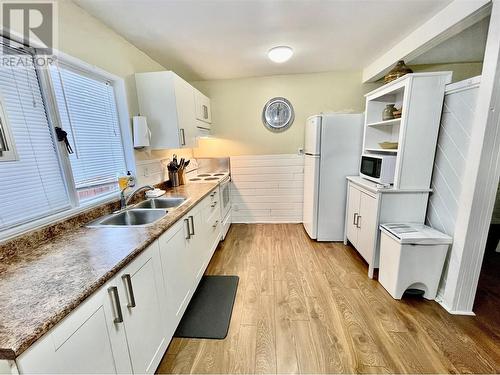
pixel 88 113
pixel 39 180
pixel 31 183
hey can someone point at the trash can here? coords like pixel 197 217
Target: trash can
pixel 412 256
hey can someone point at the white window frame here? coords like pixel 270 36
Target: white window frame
pixel 48 96
pixel 6 134
pixel 118 84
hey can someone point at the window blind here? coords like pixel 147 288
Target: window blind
pixel 33 186
pixel 88 112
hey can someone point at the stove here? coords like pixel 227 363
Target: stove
pixel 209 177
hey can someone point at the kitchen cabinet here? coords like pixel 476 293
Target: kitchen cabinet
pixel 168 102
pixel 177 252
pixel 143 308
pixel 420 98
pixel 203 109
pixel 362 212
pixel 368 206
pixel 119 329
pixel 127 324
pixel 89 340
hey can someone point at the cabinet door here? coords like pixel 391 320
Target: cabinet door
pixel 367 226
pixel 178 272
pixel 198 242
pixel 185 112
pixel 87 341
pixel 142 294
pixel 353 201
pixel 203 110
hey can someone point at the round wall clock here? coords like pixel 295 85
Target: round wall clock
pixel 278 114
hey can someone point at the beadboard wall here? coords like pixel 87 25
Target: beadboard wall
pixel 267 188
pixel 451 155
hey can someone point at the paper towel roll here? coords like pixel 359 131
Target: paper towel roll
pixel 142 134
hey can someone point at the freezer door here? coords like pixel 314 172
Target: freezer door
pixel 311 189
pixel 312 144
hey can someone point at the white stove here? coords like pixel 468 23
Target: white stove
pixel 208 177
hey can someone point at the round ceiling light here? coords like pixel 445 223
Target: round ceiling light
pixel 280 54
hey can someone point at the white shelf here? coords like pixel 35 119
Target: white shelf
pixel 387 150
pixel 394 121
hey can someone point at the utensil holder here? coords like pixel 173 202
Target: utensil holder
pixel 182 177
pixel 174 178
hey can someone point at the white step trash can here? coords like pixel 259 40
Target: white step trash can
pixel 412 256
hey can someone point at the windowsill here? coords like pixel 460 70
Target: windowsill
pixel 25 228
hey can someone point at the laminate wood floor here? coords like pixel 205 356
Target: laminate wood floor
pixel 308 307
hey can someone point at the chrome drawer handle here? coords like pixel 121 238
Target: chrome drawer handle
pixel 191 220
pixel 188 232
pixel 116 298
pixel 215 224
pixel 128 282
pixel 357 222
pixel 213 204
pixel 183 137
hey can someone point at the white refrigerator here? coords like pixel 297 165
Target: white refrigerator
pixel 332 151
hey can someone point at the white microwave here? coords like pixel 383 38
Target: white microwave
pixel 378 168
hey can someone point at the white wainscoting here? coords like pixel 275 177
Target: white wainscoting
pixel 451 155
pixel 267 188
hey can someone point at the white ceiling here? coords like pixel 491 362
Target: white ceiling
pixel 217 39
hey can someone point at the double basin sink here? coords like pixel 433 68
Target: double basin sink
pixel 141 214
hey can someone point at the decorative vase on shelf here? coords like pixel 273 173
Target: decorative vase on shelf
pixel 388 112
pixel 399 70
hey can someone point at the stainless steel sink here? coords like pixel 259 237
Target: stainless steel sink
pixel 168 202
pixel 132 217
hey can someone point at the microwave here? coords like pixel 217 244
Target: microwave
pixel 378 168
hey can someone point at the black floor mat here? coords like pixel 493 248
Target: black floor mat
pixel 209 313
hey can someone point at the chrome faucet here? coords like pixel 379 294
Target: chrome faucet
pixel 124 201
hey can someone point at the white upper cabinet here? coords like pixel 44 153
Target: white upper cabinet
pixel 168 103
pixel 203 110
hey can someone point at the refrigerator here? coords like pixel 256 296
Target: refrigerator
pixel 332 149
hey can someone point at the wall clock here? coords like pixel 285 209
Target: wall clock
pixel 278 114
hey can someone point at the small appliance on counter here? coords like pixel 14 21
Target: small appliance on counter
pixel 332 148
pixel 378 168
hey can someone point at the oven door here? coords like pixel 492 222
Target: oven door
pixel 370 167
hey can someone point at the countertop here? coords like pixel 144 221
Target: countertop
pixel 376 188
pixel 39 286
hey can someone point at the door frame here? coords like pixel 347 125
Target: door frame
pixel 480 182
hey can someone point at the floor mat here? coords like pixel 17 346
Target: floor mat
pixel 209 313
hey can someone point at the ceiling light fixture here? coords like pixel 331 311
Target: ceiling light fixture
pixel 280 54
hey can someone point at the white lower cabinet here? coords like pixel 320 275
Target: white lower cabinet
pixel 177 262
pixel 361 228
pixel 126 325
pixel 89 332
pixel 368 207
pixel 143 310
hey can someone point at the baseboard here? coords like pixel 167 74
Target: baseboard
pixel 454 312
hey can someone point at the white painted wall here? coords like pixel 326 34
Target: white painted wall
pixel 267 188
pixel 451 156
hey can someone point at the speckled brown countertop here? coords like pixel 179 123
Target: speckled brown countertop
pixel 40 285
